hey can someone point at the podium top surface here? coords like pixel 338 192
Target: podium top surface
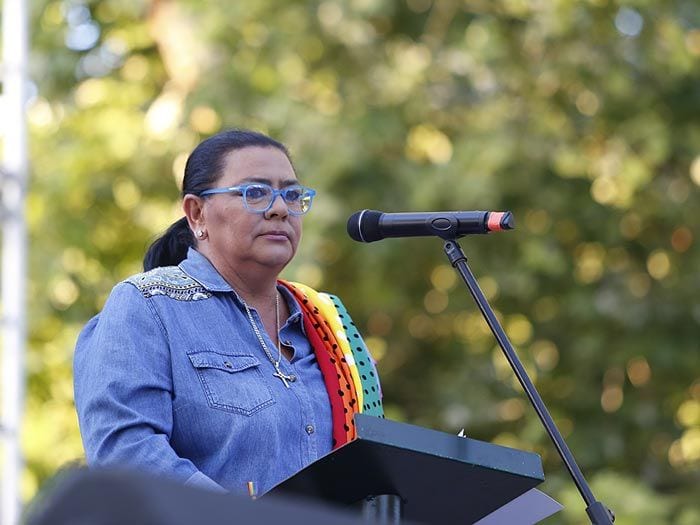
pixel 440 477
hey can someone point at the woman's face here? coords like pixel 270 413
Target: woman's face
pixel 239 238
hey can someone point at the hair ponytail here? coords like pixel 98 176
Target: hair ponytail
pixel 170 249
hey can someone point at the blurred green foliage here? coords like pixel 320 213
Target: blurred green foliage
pixel 581 117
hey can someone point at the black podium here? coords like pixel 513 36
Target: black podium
pixel 435 477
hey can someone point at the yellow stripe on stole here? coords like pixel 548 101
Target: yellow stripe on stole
pixel 330 313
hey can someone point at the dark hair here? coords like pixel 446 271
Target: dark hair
pixel 203 168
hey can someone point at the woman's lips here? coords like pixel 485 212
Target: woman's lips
pixel 275 235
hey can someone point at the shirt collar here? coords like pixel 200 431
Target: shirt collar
pixel 201 270
pixel 294 308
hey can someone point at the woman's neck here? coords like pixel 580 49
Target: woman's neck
pixel 262 295
pixel 254 288
pixel 254 283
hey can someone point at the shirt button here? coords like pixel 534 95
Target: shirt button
pixel 287 343
pixel 309 429
pixel 228 364
pixel 292 378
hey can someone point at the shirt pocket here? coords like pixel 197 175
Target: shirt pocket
pixel 231 382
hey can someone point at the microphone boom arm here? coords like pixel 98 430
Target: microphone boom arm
pixel 598 513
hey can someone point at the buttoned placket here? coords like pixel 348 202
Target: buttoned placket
pixel 301 391
pixel 291 335
pixel 298 388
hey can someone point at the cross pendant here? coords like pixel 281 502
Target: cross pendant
pixel 283 377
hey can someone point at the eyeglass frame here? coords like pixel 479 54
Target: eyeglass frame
pixel 241 190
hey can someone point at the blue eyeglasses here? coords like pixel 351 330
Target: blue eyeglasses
pixel 258 197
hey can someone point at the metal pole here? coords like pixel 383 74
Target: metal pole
pixel 597 512
pixel 14 249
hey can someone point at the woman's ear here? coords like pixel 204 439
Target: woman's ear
pixel 193 206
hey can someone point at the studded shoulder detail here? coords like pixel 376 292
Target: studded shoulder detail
pixel 170 281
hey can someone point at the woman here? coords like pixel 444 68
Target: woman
pixel 207 368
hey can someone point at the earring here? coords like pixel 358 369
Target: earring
pixel 200 234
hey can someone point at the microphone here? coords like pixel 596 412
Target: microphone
pixel 371 225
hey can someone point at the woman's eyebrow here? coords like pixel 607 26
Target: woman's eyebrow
pixel 263 180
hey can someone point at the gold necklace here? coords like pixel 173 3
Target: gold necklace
pixel 286 379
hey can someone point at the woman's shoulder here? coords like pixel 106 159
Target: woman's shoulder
pixel 169 281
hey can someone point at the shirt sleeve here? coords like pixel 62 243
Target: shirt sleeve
pixel 123 391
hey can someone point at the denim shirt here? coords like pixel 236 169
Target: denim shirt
pixel 171 379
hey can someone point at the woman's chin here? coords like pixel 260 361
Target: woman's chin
pixel 278 257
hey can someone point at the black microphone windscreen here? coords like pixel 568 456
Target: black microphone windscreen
pixel 363 226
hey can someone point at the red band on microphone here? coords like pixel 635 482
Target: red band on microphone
pixel 494 221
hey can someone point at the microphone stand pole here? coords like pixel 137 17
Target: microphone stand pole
pixel 597 512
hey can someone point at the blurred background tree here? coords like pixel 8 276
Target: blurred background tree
pixel 581 117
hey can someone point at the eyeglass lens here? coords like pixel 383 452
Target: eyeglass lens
pixel 259 197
